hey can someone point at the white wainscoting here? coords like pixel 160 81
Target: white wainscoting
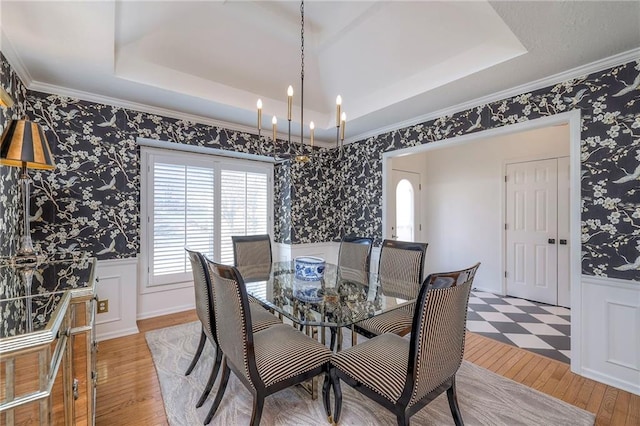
pixel 116 282
pixel 155 301
pixel 327 251
pixel 610 327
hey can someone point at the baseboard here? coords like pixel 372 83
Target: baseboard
pixel 118 333
pixel 487 290
pixel 612 381
pixel 166 311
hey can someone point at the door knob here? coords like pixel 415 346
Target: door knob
pixel 552 240
pixel 563 242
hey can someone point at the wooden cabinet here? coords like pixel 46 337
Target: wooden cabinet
pixel 47 342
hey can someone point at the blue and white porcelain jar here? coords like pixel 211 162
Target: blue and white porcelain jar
pixel 309 268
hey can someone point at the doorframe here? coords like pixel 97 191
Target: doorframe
pixel 573 120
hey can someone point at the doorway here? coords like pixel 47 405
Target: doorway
pixel 537 230
pixel 479 231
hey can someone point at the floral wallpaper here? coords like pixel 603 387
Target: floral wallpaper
pixel 610 155
pixel 91 200
pixel 10 202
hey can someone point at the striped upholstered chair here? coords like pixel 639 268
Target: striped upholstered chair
pixel 400 272
pixel 204 309
pixel 251 250
pixel 354 258
pixel 266 361
pixel 252 255
pixel 403 375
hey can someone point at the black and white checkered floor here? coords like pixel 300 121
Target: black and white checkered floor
pixel 534 326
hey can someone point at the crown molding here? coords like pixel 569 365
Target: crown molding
pixel 586 69
pixel 599 65
pixel 135 106
pixel 14 60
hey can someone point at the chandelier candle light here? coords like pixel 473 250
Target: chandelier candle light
pixel 341 117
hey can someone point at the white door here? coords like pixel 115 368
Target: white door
pixel 532 230
pixel 404 206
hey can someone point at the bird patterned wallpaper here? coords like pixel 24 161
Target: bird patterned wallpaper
pixel 91 200
pixel 10 203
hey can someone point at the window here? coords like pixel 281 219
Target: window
pixel 404 210
pixel 198 201
pixel 243 208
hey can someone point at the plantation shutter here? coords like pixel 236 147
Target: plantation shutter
pixel 243 207
pixel 183 216
pixel 198 201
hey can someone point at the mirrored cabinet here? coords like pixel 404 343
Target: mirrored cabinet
pixel 47 341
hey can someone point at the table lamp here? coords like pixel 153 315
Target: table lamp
pixel 25 145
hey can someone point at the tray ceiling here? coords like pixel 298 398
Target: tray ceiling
pixel 390 61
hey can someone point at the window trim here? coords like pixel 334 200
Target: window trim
pixel 148 156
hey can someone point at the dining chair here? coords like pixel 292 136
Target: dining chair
pixel 251 249
pixel 252 254
pixel 266 361
pixel 205 312
pixel 403 375
pixel 354 257
pixel 400 273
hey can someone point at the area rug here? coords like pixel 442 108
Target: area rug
pixel 485 398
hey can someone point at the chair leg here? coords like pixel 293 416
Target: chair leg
pixel 196 357
pixel 354 337
pixel 326 396
pixel 337 394
pixel 258 403
pixel 212 378
pixel 334 332
pixel 403 420
pixel 453 403
pixel 223 386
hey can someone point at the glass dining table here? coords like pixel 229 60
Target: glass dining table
pixel 341 298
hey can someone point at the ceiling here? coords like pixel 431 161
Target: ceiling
pixel 391 61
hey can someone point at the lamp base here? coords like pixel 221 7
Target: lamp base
pixel 25 260
pixel 26 246
pixel 26 253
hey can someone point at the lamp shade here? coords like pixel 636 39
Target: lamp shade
pixel 5 99
pixel 24 143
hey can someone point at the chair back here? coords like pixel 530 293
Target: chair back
pixel 400 268
pixel 233 320
pixel 251 250
pixel 353 259
pixel 203 292
pixel 439 324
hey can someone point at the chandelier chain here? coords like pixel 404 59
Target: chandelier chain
pixel 302 73
pixel 302 39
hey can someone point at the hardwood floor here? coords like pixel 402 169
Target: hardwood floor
pixel 129 392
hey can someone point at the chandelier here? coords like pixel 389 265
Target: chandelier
pixel 341 116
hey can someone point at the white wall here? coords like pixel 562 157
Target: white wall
pixel 462 196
